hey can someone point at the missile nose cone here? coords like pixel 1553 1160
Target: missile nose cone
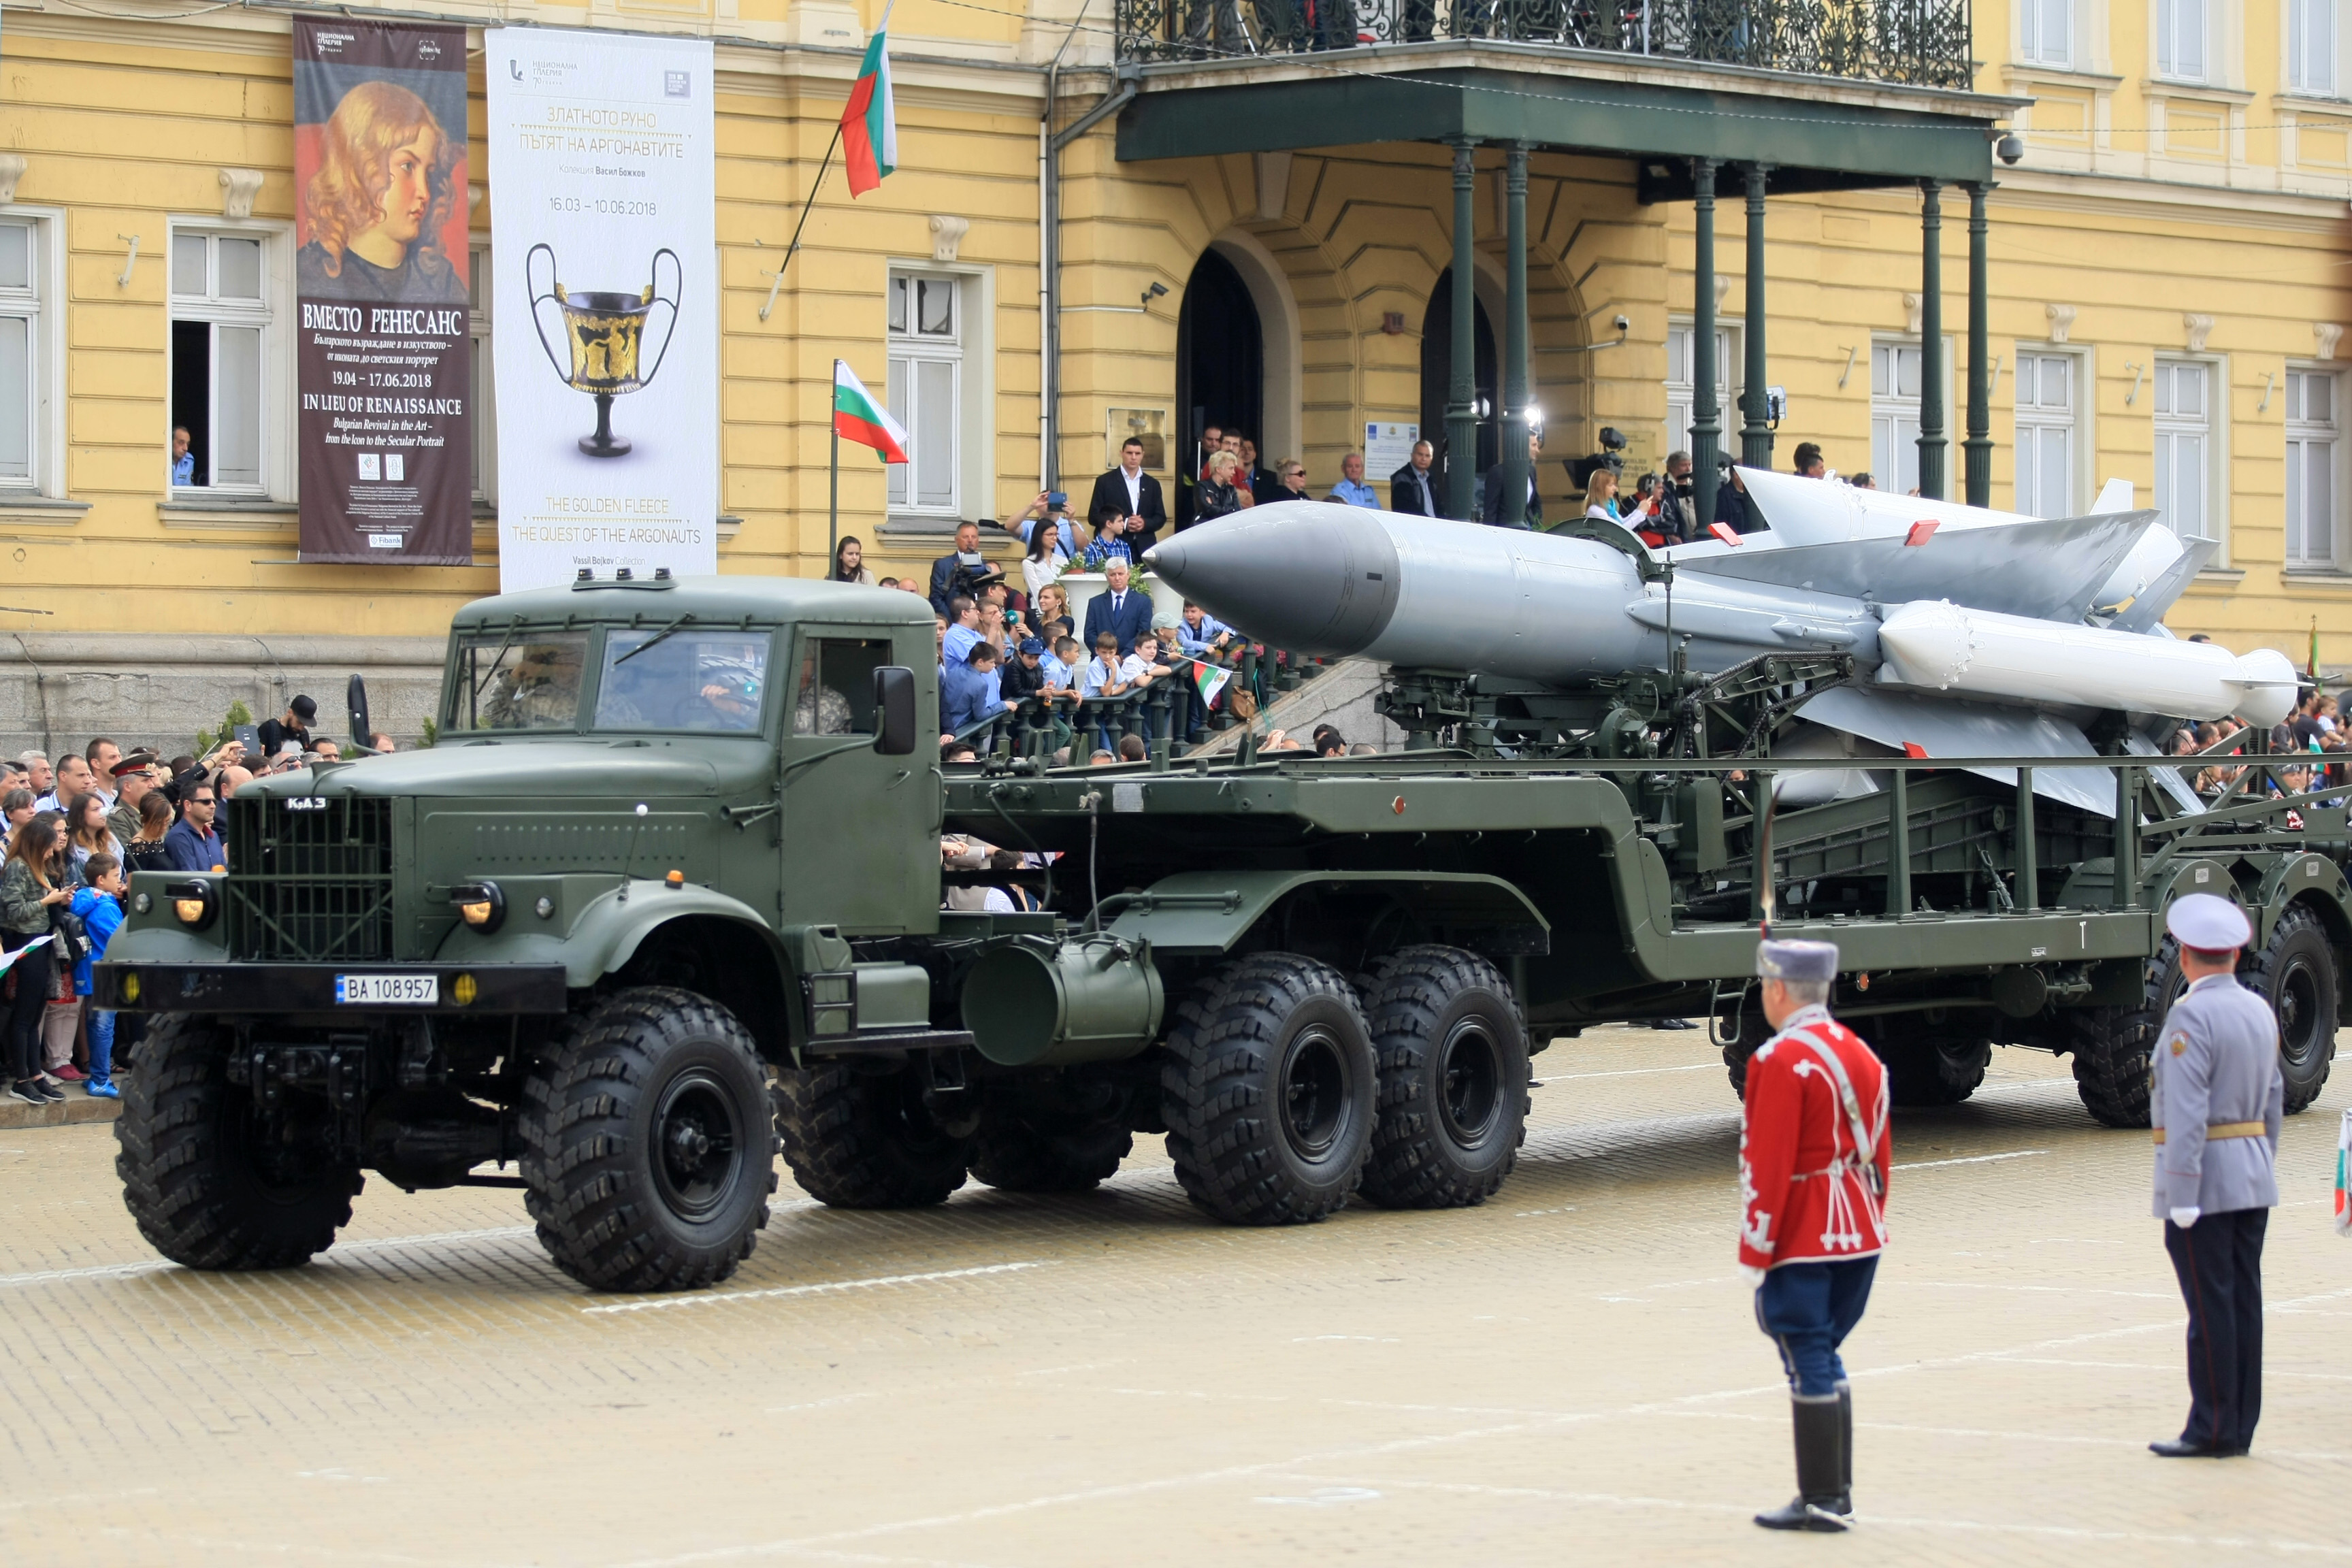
pixel 1306 575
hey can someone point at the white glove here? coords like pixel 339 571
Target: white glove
pixel 1753 1275
pixel 2185 1217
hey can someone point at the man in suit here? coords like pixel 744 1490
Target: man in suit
pixel 1124 612
pixel 1413 488
pixel 1127 491
pixel 943 570
pixel 2216 1098
pixel 1494 490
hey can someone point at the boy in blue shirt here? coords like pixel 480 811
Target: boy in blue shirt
pixel 99 905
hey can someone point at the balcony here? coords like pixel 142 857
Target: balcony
pixel 1909 43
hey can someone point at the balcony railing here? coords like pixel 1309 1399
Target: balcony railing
pixel 1919 43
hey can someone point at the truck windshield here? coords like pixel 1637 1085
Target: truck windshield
pixel 520 680
pixel 677 677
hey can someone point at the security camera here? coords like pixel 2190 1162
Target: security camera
pixel 2011 148
pixel 1624 324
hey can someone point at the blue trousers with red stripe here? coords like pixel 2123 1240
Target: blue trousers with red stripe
pixel 1809 1309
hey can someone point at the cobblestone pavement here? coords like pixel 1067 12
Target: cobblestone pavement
pixel 1570 1373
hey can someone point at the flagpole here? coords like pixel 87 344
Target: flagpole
pixel 833 509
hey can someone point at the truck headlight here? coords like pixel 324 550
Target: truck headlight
pixel 193 903
pixel 479 904
pixel 128 987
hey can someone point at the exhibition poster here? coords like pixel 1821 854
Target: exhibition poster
pixel 381 351
pixel 604 328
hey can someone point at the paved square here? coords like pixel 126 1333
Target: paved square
pixel 1569 1375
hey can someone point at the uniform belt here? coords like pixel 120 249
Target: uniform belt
pixel 2228 1130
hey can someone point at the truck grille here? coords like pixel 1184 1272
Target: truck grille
pixel 310 881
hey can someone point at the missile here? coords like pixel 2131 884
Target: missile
pixel 1991 612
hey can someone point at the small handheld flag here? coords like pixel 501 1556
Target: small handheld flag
pixel 1209 679
pixel 869 122
pixel 856 416
pixel 2343 1176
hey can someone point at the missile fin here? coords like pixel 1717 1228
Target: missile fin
pixel 2147 608
pixel 2065 562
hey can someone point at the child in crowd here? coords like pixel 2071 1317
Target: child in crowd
pixel 99 905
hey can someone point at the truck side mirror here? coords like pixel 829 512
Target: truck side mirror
pixel 894 706
pixel 363 733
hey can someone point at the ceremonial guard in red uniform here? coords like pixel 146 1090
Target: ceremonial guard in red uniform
pixel 1815 1153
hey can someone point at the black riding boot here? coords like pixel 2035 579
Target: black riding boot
pixel 1820 1468
pixel 1846 1449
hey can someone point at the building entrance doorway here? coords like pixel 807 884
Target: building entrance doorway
pixel 1220 368
pixel 1437 372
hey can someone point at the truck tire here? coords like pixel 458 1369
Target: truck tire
pixel 1028 1152
pixel 649 1148
pixel 1749 1031
pixel 204 1191
pixel 1453 1058
pixel 2296 969
pixel 1270 1093
pixel 2111 1045
pixel 1927 1065
pixel 864 1141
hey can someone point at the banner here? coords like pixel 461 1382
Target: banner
pixel 382 362
pixel 606 327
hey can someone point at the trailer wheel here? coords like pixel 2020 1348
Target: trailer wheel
pixel 2296 971
pixel 1270 1091
pixel 1018 1151
pixel 650 1148
pixel 207 1189
pixel 2111 1045
pixel 866 1141
pixel 1453 1058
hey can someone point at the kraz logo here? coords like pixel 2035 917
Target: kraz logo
pixel 305 802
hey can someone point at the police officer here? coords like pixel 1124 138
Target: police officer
pixel 1815 1153
pixel 2215 1100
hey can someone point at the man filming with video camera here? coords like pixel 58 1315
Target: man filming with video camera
pixel 962 572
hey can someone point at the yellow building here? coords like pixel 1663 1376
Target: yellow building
pixel 1257 220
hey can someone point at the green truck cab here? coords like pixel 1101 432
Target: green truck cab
pixel 668 897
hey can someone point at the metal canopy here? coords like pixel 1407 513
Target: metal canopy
pixel 1817 143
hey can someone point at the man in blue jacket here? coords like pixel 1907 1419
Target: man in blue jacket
pixel 1122 611
pixel 969 691
pixel 192 843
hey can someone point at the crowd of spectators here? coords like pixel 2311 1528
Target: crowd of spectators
pixel 71 833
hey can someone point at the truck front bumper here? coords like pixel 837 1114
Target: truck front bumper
pixel 226 987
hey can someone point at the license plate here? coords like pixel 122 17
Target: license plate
pixel 397 990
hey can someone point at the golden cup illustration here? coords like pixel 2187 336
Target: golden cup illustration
pixel 606 335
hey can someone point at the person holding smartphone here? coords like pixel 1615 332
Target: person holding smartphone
pixel 294 726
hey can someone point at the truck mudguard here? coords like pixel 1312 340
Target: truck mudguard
pixel 1202 913
pixel 608 932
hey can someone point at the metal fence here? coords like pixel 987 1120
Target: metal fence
pixel 1921 43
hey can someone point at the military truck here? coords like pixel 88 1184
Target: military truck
pixel 668 897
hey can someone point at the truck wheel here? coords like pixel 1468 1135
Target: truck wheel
pixel 2297 970
pixel 1747 1036
pixel 206 1190
pixel 1270 1093
pixel 650 1148
pixel 1017 1153
pixel 866 1141
pixel 1453 1059
pixel 1927 1065
pixel 2111 1045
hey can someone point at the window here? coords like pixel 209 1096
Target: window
pixel 485 425
pixel 2311 448
pixel 22 384
pixel 670 679
pixel 220 348
pixel 2045 35
pixel 1681 391
pixel 506 681
pixel 2045 435
pixel 1894 417
pixel 2180 39
pixel 926 391
pixel 2184 429
pixel 836 695
pixel 2311 46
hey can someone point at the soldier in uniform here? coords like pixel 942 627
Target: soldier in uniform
pixel 1815 1153
pixel 540 691
pixel 2216 1096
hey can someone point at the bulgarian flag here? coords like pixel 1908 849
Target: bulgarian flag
pixel 859 417
pixel 1209 679
pixel 869 122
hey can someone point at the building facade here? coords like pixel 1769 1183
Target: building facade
pixel 1129 216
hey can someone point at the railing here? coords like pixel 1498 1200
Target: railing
pixel 1166 715
pixel 1921 43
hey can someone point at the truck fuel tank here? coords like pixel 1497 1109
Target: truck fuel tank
pixel 1055 1002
